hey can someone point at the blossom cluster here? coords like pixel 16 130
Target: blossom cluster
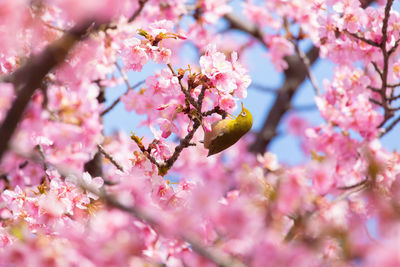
pixel 73 196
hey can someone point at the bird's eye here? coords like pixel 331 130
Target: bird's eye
pixel 243 113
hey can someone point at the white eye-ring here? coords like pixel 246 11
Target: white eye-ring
pixel 243 113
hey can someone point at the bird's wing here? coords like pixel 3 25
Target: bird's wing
pixel 218 128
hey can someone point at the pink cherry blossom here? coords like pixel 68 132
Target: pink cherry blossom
pixel 74 194
pixel 269 161
pixel 279 47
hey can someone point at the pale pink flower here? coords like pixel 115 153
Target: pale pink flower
pixel 6 98
pixel 162 56
pixel 227 102
pixel 135 55
pixel 268 161
pixel 160 27
pixel 166 126
pixel 297 125
pixel 322 178
pixel 227 77
pixel 213 10
pixel 260 15
pixel 92 184
pixel 279 47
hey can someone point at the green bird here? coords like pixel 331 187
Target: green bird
pixel 226 132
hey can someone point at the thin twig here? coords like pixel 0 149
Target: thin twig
pixel 128 88
pixel 393 85
pixel 43 156
pixel 349 192
pixel 370 42
pixel 124 76
pixel 138 11
pixel 393 109
pixel 217 110
pixel 307 64
pixel 116 101
pixel 110 157
pixel 53 26
pixel 185 142
pixel 388 113
pixel 201 96
pixel 352 186
pixel 385 23
pixel 373 100
pixel 390 127
pixel 396 44
pixel 185 91
pixel 393 98
pixel 263 88
pixel 145 151
pixel 373 89
pixel 378 70
pixel 385 54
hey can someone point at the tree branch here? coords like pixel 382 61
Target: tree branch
pixel 307 65
pixel 29 77
pixel 236 23
pixel 110 157
pixel 358 37
pixel 294 77
pixel 390 126
pixel 138 11
pixel 385 101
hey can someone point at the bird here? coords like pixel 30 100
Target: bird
pixel 227 132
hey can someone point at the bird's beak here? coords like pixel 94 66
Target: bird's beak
pixel 242 106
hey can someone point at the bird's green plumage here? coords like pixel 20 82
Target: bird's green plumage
pixel 227 132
